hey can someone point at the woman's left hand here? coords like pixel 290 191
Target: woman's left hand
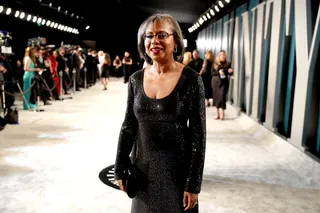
pixel 190 200
pixel 230 70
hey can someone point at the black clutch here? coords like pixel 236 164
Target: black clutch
pixel 130 182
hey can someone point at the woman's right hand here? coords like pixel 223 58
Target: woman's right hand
pixel 38 69
pixel 121 185
pixel 221 71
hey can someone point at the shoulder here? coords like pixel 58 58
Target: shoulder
pixel 190 74
pixel 137 74
pixel 136 77
pixel 191 79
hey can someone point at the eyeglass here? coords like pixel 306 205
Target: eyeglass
pixel 159 36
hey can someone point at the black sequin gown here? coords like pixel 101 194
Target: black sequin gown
pixel 169 135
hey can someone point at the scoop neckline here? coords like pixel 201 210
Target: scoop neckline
pixel 172 92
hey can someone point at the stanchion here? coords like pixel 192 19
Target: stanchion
pixel 85 77
pixel 61 82
pixel 3 94
pixel 23 97
pixel 49 90
pixel 38 96
pixel 74 79
pixel 61 86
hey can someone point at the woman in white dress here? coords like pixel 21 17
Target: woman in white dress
pixel 101 61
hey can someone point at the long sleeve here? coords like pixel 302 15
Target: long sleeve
pixel 127 136
pixel 61 64
pixel 75 61
pixel 204 67
pixel 197 128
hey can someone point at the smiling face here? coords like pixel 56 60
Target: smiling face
pixel 159 41
pixel 222 56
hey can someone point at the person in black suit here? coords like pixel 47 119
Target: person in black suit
pixel 196 63
pixel 62 66
pixel 76 63
pixel 43 93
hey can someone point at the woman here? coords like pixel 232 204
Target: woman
pixel 162 99
pixel 101 59
pixel 105 70
pixel 206 75
pixel 117 65
pixel 54 72
pixel 220 83
pixel 49 79
pixel 127 62
pixel 187 58
pixel 29 62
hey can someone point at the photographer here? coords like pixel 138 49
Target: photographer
pixel 62 66
pixel 7 102
pixel 6 80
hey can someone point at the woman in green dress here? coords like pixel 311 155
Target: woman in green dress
pixel 29 62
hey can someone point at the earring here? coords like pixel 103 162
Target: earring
pixel 175 49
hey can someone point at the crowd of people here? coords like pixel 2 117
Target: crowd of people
pixel 215 74
pixel 46 74
pixel 40 71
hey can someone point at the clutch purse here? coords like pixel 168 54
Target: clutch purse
pixel 130 182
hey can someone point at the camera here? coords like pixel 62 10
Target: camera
pixel 5 42
pixel 5 38
pixel 37 42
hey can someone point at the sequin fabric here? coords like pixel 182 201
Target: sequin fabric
pixel 168 139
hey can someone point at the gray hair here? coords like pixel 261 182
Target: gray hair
pixel 177 33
